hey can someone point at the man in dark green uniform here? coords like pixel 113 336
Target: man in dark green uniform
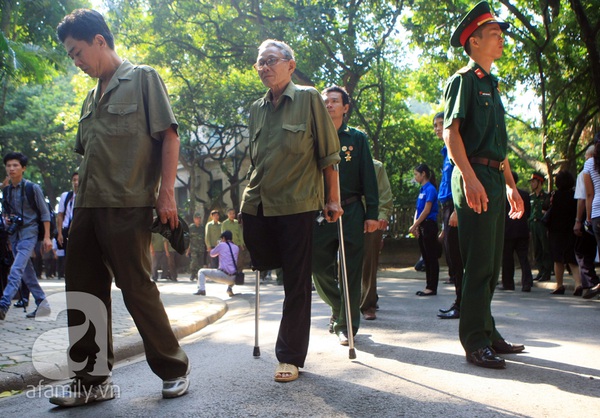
pixel 197 249
pixel 540 202
pixel 475 134
pixel 357 179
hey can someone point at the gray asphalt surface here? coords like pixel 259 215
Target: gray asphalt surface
pixel 409 364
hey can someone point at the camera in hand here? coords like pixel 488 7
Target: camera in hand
pixel 15 222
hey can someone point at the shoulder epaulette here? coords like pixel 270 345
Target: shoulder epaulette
pixel 464 70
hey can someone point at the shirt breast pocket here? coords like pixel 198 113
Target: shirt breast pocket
pixel 122 118
pixel 296 138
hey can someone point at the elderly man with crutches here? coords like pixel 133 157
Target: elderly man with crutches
pixel 357 179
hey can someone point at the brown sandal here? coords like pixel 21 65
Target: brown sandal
pixel 286 372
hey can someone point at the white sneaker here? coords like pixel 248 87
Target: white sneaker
pixel 76 394
pixel 173 388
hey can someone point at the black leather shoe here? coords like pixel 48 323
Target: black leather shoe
pixel 21 303
pixel 200 293
pixel 590 293
pixel 451 314
pixel 421 293
pixel 447 310
pixel 485 357
pixel 504 347
pixel 526 289
pixel 544 279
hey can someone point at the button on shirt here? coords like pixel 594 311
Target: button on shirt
pixel 473 94
pixel 428 194
pixel 290 145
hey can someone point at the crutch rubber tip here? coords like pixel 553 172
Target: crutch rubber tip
pixel 351 354
pixel 256 352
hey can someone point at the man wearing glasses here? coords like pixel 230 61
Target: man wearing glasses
pixel 293 144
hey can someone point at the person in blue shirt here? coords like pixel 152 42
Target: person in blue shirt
pixel 449 234
pixel 425 228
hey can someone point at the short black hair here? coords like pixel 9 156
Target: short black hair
pixel 16 156
pixel 84 25
pixel 341 90
pixel 564 180
pixel 75 173
pixel 438 115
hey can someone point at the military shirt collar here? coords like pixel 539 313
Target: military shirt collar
pixel 122 73
pixel 481 73
pixel 344 128
pixel 290 91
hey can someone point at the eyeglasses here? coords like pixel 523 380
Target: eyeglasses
pixel 271 62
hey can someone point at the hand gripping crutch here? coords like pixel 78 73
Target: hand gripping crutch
pixel 256 352
pixel 344 277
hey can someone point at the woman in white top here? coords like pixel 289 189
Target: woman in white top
pixel 591 178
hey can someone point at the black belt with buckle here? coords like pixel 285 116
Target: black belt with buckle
pixel 497 165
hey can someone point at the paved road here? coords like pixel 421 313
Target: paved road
pixel 408 363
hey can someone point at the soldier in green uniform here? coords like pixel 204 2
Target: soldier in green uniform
pixel 231 224
pixel 212 236
pixel 357 179
pixel 197 249
pixel 540 202
pixel 475 134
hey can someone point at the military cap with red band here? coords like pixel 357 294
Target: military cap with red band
pixel 481 14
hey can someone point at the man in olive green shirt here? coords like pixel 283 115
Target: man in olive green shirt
pixel 232 224
pixel 475 134
pixel 212 236
pixel 293 145
pixel 373 244
pixel 128 138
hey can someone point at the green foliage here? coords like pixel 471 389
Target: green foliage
pixel 41 125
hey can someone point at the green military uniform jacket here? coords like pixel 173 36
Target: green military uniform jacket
pixel 386 200
pixel 123 127
pixel 236 230
pixel 539 204
pixel 357 174
pixel 290 145
pixel 473 93
pixel 212 234
pixel 197 238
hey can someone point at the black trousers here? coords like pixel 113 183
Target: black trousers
pixel 286 242
pixel 521 247
pixel 428 243
pixel 452 250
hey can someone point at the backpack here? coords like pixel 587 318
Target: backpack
pixel 31 200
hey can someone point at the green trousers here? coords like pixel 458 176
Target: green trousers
pixel 481 238
pixel 541 249
pixel 324 265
